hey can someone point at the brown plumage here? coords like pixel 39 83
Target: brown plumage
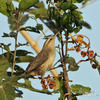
pixel 44 60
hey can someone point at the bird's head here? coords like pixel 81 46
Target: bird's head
pixel 50 42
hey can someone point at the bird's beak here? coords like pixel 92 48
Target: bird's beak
pixel 55 34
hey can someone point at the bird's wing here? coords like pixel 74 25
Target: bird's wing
pixel 37 62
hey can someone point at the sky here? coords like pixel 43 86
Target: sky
pixel 85 75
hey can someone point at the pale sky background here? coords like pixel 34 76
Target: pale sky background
pixel 85 75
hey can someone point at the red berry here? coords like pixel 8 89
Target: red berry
pixel 90 53
pixel 51 86
pixel 44 86
pixel 42 81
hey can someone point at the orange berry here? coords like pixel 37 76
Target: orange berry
pixel 77 48
pixel 48 79
pixel 83 53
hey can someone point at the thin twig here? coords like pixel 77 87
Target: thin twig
pixel 14 59
pixel 82 61
pixel 66 94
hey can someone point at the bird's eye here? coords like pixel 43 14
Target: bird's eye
pixel 51 39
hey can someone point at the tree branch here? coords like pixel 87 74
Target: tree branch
pixel 66 79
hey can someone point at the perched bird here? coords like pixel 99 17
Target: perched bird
pixel 44 60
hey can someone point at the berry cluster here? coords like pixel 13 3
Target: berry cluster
pixel 84 53
pixel 80 42
pixel 48 82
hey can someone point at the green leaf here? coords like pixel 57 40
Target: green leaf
pixel 22 44
pixel 65 6
pixel 5 35
pixel 23 20
pixel 6 7
pixel 25 4
pixel 39 12
pixel 74 67
pixel 7 92
pixel 31 29
pixel 21 59
pixel 18 69
pixel 62 89
pixel 85 24
pixel 18 93
pixel 53 13
pixel 28 83
pixel 22 52
pixel 40 5
pixel 11 35
pixel 69 60
pixel 5 47
pixel 80 90
pixel 4 64
pixel 57 84
pixel 72 63
pixel 12 22
pixel 39 27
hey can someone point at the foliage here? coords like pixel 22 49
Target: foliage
pixel 60 16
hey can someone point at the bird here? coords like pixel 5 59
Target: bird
pixel 44 60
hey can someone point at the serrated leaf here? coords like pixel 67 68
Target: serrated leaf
pixel 7 92
pixel 80 90
pixel 25 4
pixel 6 7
